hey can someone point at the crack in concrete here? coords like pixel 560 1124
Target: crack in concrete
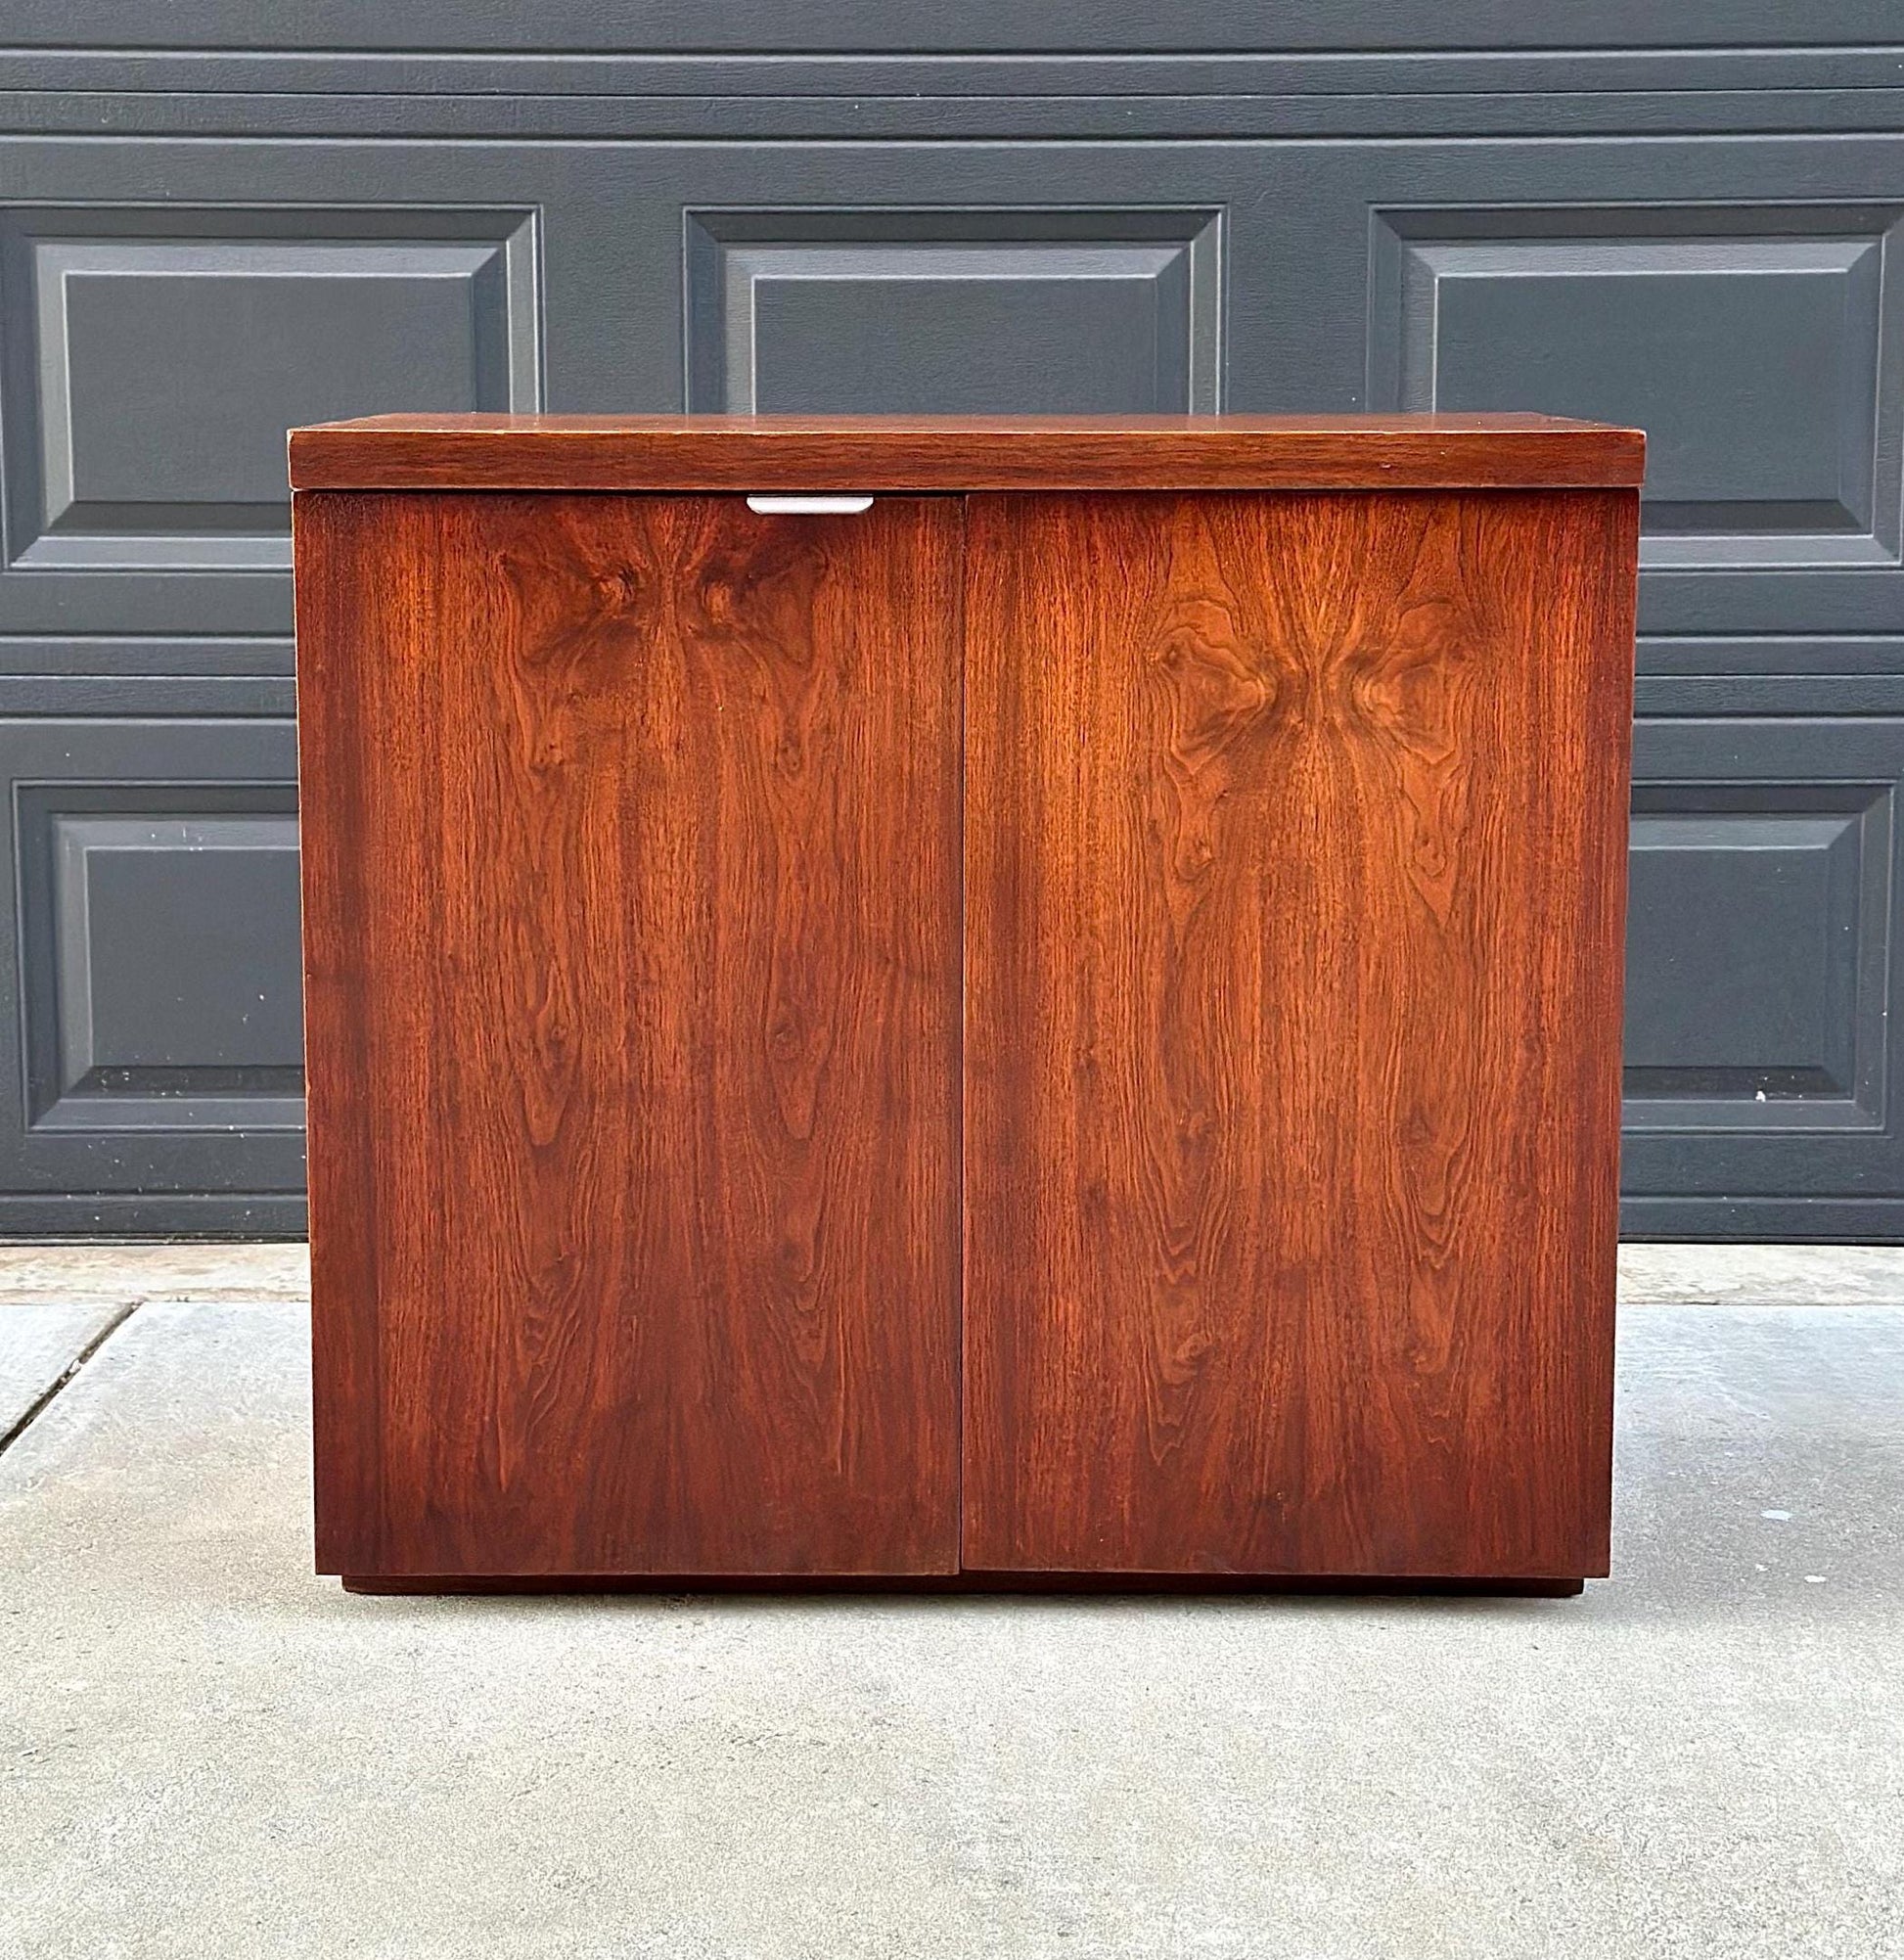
pixel 45 1400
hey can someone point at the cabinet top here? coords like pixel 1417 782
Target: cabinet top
pixel 843 453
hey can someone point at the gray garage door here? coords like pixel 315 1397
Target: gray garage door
pixel 286 213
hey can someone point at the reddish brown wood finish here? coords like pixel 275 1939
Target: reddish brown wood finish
pixel 717 452
pixel 1293 898
pixel 631 889
pixel 1141 1584
pixel 1295 833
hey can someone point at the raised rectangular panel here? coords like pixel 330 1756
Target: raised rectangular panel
pixel 953 312
pixel 154 358
pixel 1758 348
pixel 1762 984
pixel 152 958
pixel 174 995
pixel 1757 926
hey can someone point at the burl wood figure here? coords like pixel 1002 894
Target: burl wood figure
pixel 964 1002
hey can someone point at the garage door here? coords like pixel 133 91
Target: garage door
pixel 1691 223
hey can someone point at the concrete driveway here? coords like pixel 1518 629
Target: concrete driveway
pixel 206 1751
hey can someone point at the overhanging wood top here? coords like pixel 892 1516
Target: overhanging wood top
pixel 841 453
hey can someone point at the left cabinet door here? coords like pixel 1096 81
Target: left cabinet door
pixel 631 848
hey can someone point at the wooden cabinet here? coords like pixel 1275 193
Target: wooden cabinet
pixel 1062 1022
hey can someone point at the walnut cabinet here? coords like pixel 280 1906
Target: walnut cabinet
pixel 964 1002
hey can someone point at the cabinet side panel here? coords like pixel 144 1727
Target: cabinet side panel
pixel 634 1033
pixel 342 555
pixel 1295 894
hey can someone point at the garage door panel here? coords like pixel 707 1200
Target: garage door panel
pixel 152 985
pixel 169 306
pixel 1759 347
pixel 154 358
pixel 950 312
pixel 1762 984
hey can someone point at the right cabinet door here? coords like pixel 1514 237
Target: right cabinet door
pixel 1295 832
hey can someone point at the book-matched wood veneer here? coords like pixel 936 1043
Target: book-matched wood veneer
pixel 769 1119
pixel 632 899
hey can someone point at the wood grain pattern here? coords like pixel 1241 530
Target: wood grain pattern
pixel 1295 833
pixel 631 886
pixel 723 452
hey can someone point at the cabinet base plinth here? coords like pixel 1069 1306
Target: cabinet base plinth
pixel 963 1583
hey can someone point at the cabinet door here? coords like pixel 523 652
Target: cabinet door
pixel 1295 849
pixel 631 832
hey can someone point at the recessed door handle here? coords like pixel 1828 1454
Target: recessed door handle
pixel 809 507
